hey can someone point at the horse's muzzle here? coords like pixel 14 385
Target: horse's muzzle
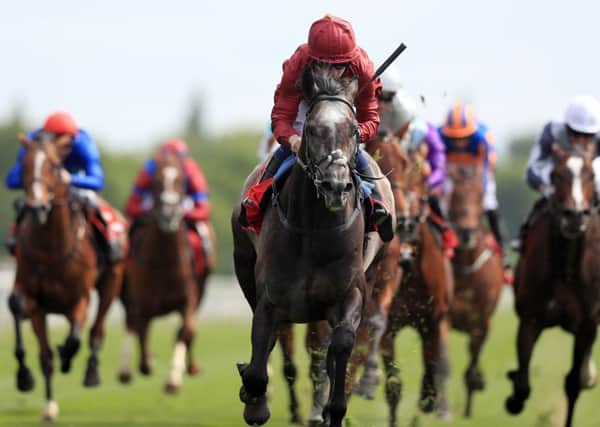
pixel 39 212
pixel 573 222
pixel 335 194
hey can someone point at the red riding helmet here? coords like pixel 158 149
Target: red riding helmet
pixel 60 122
pixel 176 146
pixel 332 40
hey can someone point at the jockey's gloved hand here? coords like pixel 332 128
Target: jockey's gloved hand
pixel 65 175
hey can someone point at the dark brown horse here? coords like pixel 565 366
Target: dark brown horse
pixel 478 271
pixel 57 268
pixel 423 299
pixel 557 280
pixel 307 263
pixel 160 274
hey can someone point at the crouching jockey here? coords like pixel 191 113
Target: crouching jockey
pixel 469 141
pixel 83 170
pixel 580 127
pixel 331 48
pixel 196 205
pixel 398 116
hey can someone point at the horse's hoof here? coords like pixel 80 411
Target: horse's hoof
pixel 296 419
pixel 125 377
pixel 92 379
pixel 445 416
pixel 145 369
pixel 427 404
pixel 171 389
pixel 50 412
pixel 364 390
pixel 514 406
pixel 194 369
pixel 67 352
pixel 256 409
pixel 25 380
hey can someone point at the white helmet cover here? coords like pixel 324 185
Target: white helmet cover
pixel 391 79
pixel 405 108
pixel 583 114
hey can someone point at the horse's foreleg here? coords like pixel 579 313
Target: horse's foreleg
pixel 377 321
pixel 286 342
pixel 125 356
pixel 338 354
pixel 318 336
pixel 584 341
pixel 393 383
pixel 442 371
pixel 431 352
pixel 183 344
pixel 141 328
pixel 109 287
pixel 38 322
pixel 474 380
pixel 70 347
pixel 528 334
pixel 16 304
pixel 254 375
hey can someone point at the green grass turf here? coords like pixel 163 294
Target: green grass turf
pixel 211 399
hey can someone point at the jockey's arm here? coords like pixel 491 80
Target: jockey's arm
pixel 13 178
pixel 87 152
pixel 540 161
pixel 141 187
pixel 436 156
pixel 197 189
pixel 366 103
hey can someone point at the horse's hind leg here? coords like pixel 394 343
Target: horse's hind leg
pixel 528 334
pixel 70 347
pixel 38 322
pixel 109 287
pixel 474 380
pixel 16 304
pixel 286 342
pixel 254 375
pixel 584 341
pixel 318 336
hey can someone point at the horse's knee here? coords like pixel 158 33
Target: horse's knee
pixel 289 371
pixel 15 304
pixel 342 340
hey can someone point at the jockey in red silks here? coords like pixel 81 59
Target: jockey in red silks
pixel 196 204
pixel 332 48
pixel 83 171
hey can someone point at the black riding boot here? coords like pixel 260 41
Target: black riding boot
pixel 11 240
pixel 434 204
pixel 494 222
pixel 379 213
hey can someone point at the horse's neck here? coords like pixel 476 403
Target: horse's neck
pixel 166 243
pixel 58 233
pixel 303 206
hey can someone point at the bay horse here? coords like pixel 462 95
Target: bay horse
pixel 423 298
pixel 557 280
pixel 385 272
pixel 57 268
pixel 161 276
pixel 306 264
pixel 478 270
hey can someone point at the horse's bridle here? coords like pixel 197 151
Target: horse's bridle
pixel 312 167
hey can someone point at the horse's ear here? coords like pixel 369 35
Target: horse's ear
pixel 351 89
pixel 309 87
pixel 23 140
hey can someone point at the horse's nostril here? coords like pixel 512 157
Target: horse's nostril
pixel 327 186
pixel 348 187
